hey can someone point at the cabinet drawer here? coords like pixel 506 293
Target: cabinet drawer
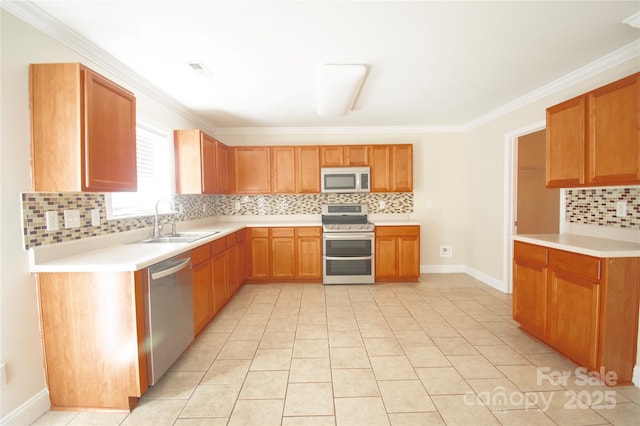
pixel 259 232
pixel 577 265
pixel 309 231
pixel 397 231
pixel 282 232
pixel 530 253
pixel 230 240
pixel 200 254
pixel 218 246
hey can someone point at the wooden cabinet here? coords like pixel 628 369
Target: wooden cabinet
pixel 339 155
pixel 285 254
pixel 583 306
pixel 295 169
pixel 309 253
pixel 391 168
pixel 219 274
pixel 594 139
pixel 93 334
pixel 397 253
pixel 202 287
pixel 530 287
pixel 283 168
pixel 83 131
pixel 308 170
pixel 201 163
pixel 251 170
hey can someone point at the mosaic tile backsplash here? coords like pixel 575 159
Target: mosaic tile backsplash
pixel 597 206
pixel 36 204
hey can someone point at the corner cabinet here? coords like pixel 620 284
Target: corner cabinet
pixel 201 163
pixel 397 253
pixel 594 139
pixel 585 307
pixel 83 131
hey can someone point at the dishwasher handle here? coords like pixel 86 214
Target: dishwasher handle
pixel 170 271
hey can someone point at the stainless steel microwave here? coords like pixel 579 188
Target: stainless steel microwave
pixel 345 179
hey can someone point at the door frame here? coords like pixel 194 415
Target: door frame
pixel 510 195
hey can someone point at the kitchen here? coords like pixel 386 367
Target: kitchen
pixel 448 174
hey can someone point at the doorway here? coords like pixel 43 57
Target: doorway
pixel 537 208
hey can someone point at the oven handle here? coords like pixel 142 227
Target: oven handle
pixel 349 258
pixel 363 236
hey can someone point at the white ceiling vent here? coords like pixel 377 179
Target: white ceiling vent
pixel 337 88
pixel 199 69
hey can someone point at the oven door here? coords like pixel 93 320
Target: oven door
pixel 348 258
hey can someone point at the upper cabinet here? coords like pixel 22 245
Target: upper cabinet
pixel 251 170
pixel 83 131
pixel 594 139
pixel 339 155
pixel 201 163
pixel 391 168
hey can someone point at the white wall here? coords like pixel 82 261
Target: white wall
pixel 25 394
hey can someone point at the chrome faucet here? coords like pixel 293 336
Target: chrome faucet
pixel 157 225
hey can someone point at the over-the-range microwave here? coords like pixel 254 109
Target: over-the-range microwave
pixel 345 179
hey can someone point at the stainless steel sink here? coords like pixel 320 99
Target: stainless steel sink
pixel 180 237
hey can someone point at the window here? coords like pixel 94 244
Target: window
pixel 155 177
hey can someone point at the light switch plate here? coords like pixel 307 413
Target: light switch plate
pixel 52 220
pixel 95 217
pixel 621 209
pixel 71 219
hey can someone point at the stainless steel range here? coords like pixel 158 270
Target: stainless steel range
pixel 347 244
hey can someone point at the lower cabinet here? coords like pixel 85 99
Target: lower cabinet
pixel 285 254
pixel 583 306
pixel 93 336
pixel 397 253
pixel 202 287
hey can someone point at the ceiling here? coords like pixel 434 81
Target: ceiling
pixel 430 63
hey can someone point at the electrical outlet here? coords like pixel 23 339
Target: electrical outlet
pixel 621 209
pixel 382 204
pixel 95 217
pixel 236 205
pixel 446 251
pixel 181 208
pixel 3 374
pixel 204 207
pixel 52 220
pixel 71 219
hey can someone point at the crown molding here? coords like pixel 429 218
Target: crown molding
pixel 337 130
pixel 615 58
pixel 41 20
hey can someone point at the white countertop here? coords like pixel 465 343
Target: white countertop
pixel 125 252
pixel 590 246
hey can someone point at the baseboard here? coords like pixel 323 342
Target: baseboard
pixel 487 279
pixel 29 411
pixel 636 376
pixel 464 269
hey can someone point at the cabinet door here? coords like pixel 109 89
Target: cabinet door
pixel 219 275
pixel 409 256
pixel 356 155
pixel 566 141
pixel 614 133
pixel 380 163
pixel 575 317
pixel 232 267
pixel 222 167
pixel 308 169
pixel 283 169
pixel 332 156
pixel 258 254
pixel 109 144
pixel 282 255
pixel 252 170
pixel 209 174
pixel 386 256
pixel 402 168
pixel 309 253
pixel 530 288
pixel 202 297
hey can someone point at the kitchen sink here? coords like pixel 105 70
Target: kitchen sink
pixel 180 237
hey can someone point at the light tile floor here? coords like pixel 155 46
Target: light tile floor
pixel 441 351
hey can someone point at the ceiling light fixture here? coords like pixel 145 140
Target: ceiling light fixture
pixel 633 20
pixel 337 87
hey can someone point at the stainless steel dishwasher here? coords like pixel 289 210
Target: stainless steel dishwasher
pixel 168 296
